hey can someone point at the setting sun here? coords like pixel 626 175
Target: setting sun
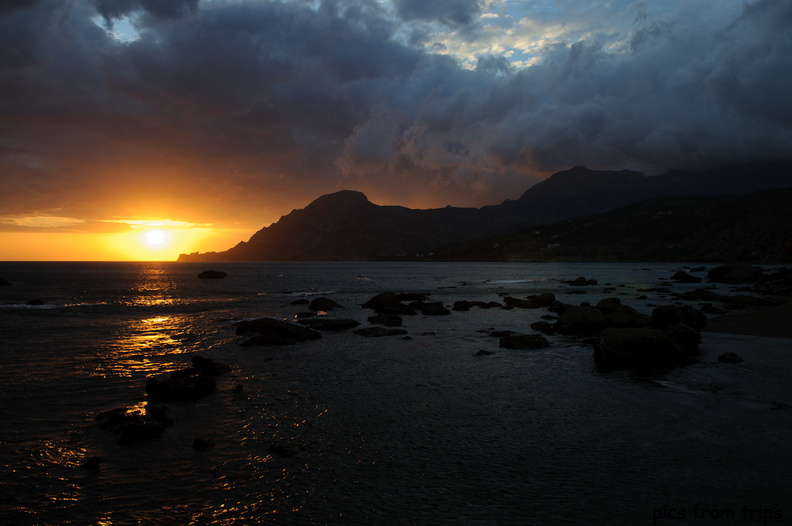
pixel 155 237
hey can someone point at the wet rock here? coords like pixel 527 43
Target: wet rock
pixel 201 444
pixel 133 427
pixel 730 357
pixel 666 315
pixel 92 463
pixel 637 347
pixel 685 336
pixel 681 276
pixel 734 273
pixel 375 332
pixel 581 282
pixel 209 367
pixel 543 327
pixel 388 320
pixel 482 352
pixel 779 283
pixel 37 302
pixel 524 341
pixel 433 308
pixel 275 332
pixel 329 324
pixel 521 303
pixel 281 450
pixel 709 308
pixel 388 303
pixel 4 282
pixel 324 304
pixel 179 387
pixel 618 315
pixel 212 274
pixel 580 320
pixel 465 305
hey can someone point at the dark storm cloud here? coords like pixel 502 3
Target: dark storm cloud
pixel 451 12
pixel 111 9
pixel 245 100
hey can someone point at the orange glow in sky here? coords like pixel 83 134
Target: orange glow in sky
pixel 142 242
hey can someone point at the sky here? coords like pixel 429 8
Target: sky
pixel 139 129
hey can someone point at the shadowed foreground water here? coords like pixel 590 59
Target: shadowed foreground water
pixel 354 430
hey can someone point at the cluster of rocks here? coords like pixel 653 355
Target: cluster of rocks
pixel 130 426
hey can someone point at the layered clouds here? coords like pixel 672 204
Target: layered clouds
pixel 235 112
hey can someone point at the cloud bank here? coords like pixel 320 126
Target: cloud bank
pixel 236 112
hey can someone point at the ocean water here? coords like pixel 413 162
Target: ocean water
pixel 355 430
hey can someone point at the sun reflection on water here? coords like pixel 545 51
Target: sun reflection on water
pixel 145 346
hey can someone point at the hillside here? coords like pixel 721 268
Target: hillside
pixel 754 227
pixel 347 226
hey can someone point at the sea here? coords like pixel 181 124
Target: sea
pixel 420 428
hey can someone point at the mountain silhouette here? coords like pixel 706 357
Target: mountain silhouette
pixel 346 226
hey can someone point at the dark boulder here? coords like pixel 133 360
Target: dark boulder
pixel 275 332
pixel 329 324
pixel 543 327
pixel 521 303
pixel 4 282
pixel 667 315
pixel 376 332
pixel 483 352
pixel 730 357
pixel 581 282
pixel 204 365
pixel 388 303
pixel 734 273
pixel 681 276
pixel 179 387
pixel 433 308
pixel 685 336
pixel 618 315
pixel 524 341
pixel 201 444
pixel 580 320
pixel 324 304
pixel 637 347
pixel 131 427
pixel 212 274
pixel 412 296
pixel 35 303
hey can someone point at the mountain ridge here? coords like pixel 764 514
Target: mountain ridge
pixel 345 225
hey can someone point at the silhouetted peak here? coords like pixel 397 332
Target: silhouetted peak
pixel 580 179
pixel 342 199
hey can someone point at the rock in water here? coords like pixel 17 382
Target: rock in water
pixel 212 274
pixel 638 347
pixel 275 332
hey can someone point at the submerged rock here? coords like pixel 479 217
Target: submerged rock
pixel 212 274
pixel 324 304
pixel 388 303
pixel 433 308
pixel 580 320
pixel 730 357
pixel 638 347
pixel 133 427
pixel 204 365
pixel 275 332
pixel 180 386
